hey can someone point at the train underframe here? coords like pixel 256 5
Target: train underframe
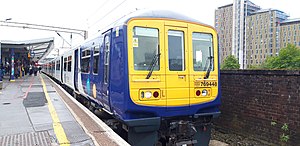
pixel 185 130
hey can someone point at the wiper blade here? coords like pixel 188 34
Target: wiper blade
pixel 152 65
pixel 210 58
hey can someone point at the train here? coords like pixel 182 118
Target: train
pixel 156 72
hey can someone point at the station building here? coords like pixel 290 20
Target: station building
pixel 17 56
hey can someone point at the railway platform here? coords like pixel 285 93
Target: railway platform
pixel 34 111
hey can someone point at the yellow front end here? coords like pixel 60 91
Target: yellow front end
pixel 168 62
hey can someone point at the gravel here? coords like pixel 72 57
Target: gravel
pixel 235 139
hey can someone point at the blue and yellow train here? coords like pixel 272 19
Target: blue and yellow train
pixel 156 72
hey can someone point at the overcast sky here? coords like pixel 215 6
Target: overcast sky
pixel 91 14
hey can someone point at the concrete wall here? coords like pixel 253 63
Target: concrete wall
pixel 252 99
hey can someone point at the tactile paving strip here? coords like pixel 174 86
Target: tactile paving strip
pixel 26 139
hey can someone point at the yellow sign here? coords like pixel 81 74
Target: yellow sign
pixel 94 91
pixel 135 42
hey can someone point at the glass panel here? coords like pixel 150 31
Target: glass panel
pixel 176 50
pixel 57 65
pixel 85 60
pixel 65 64
pixel 85 65
pixel 96 49
pixel 106 58
pixel 145 48
pixel 95 64
pixel 201 53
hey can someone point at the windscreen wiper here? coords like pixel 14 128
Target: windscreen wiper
pixel 152 65
pixel 210 59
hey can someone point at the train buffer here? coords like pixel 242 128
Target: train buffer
pixel 35 111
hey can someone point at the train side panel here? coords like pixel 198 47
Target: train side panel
pixel 68 69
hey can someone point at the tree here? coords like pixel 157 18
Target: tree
pixel 230 63
pixel 288 58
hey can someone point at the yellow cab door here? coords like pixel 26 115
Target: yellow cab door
pixel 177 65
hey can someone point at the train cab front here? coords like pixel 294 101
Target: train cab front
pixel 174 76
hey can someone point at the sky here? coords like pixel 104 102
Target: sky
pixel 94 15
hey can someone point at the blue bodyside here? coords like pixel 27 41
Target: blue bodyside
pixel 88 79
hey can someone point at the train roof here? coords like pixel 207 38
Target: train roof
pixel 156 14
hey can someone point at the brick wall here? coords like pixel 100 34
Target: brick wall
pixel 252 99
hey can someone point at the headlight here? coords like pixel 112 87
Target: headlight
pixel 148 94
pixel 204 92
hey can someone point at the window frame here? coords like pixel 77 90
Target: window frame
pixel 85 55
pixel 158 65
pixel 96 61
pixel 65 63
pixel 106 58
pixel 183 49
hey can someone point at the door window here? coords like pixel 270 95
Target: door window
pixel 106 58
pixel 69 63
pixel 176 50
pixel 65 63
pixel 96 59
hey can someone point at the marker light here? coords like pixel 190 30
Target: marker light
pixel 204 92
pixel 148 94
pixel 198 92
pixel 155 94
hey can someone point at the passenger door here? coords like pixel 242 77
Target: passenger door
pixel 106 69
pixel 177 67
pixel 76 70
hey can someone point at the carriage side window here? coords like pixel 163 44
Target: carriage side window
pixel 85 61
pixel 69 63
pixel 106 58
pixel 96 59
pixel 202 51
pixel 57 65
pixel 53 66
pixel 176 50
pixel 65 64
pixel 145 48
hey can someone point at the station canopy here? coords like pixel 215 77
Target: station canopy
pixel 37 49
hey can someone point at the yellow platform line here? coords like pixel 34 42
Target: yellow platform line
pixel 58 129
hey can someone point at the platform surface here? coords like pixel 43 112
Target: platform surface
pixel 32 113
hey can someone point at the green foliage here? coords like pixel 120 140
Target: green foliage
pixel 284 138
pixel 285 127
pixel 288 58
pixel 273 123
pixel 230 63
